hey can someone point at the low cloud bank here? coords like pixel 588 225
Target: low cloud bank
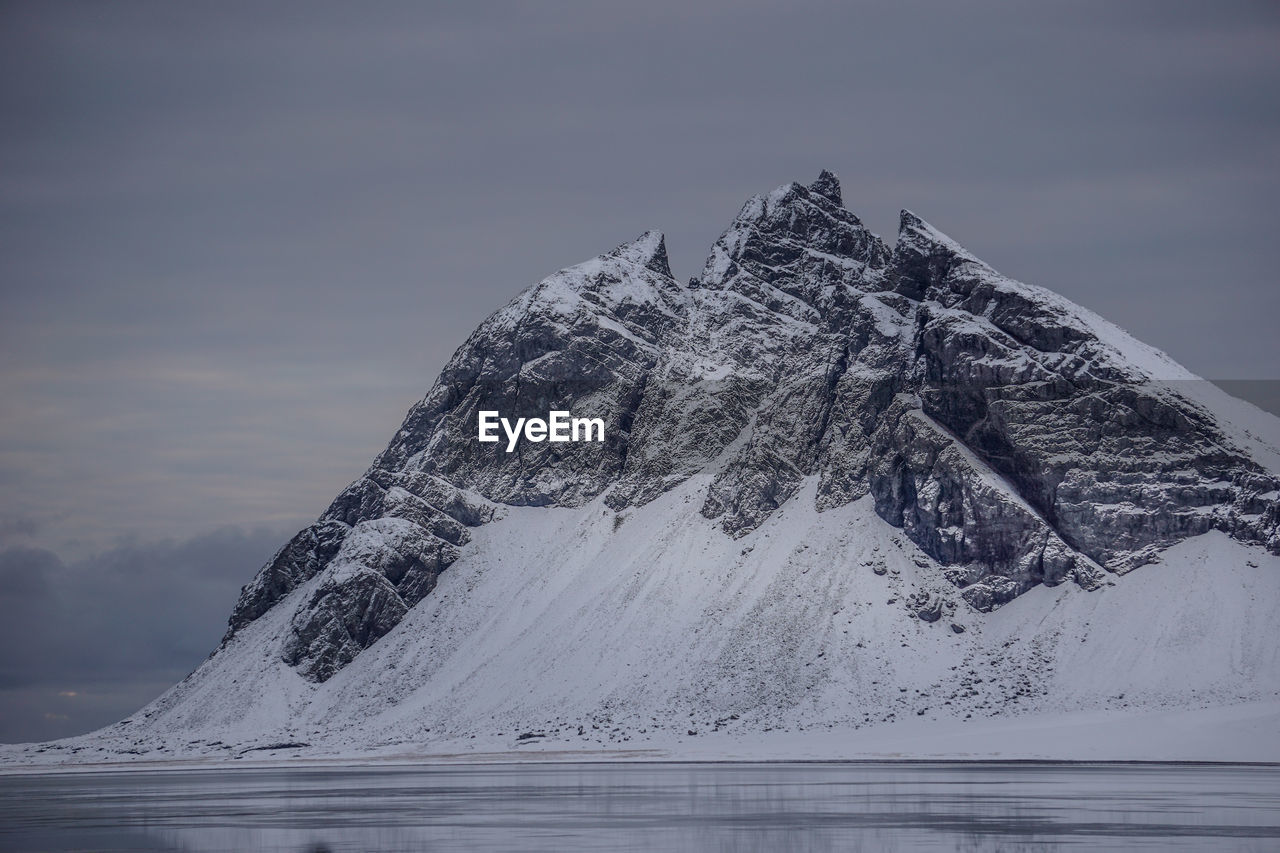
pixel 85 643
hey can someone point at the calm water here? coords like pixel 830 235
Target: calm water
pixel 612 807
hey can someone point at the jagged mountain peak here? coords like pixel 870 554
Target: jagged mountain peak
pixel 915 234
pixel 627 293
pixel 828 186
pixel 923 256
pixel 1009 435
pixel 649 250
pixel 635 272
pixel 823 465
pixel 794 251
pixel 930 266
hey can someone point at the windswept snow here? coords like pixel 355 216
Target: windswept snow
pixel 644 627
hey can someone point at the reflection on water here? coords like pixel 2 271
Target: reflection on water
pixel 617 807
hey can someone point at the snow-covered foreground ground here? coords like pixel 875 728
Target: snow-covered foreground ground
pixel 1247 732
pixel 651 635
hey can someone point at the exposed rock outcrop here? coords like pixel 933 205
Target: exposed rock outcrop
pixel 1014 437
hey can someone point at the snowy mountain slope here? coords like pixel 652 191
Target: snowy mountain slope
pixel 554 622
pixel 842 485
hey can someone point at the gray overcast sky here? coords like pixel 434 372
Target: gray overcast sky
pixel 238 240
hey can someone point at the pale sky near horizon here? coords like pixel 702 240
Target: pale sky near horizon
pixel 239 240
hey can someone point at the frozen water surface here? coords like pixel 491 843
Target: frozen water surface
pixel 624 807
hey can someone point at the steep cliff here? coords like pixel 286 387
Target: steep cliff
pixel 1012 436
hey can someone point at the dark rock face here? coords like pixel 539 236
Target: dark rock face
pixel 1014 437
pixel 583 339
pixel 293 565
pixel 951 505
pixel 389 565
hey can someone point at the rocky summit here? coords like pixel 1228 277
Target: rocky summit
pixel 1013 437
pixel 832 489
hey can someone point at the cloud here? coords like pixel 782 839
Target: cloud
pixel 24 573
pixel 18 528
pixel 85 643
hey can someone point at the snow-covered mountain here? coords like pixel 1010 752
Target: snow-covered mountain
pixel 841 485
